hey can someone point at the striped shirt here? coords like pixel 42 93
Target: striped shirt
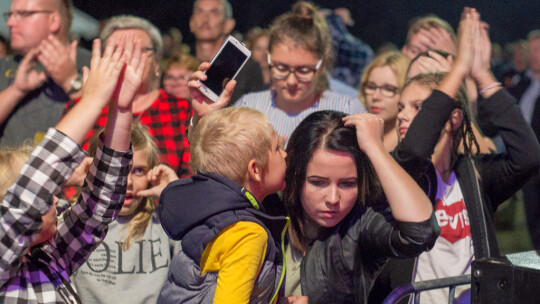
pixel 285 123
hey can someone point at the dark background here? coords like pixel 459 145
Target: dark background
pixel 376 21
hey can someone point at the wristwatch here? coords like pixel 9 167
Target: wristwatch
pixel 76 84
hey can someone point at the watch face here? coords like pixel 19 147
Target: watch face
pixel 76 84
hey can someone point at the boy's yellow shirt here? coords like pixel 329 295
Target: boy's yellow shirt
pixel 237 253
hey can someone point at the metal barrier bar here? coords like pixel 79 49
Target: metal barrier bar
pixel 417 287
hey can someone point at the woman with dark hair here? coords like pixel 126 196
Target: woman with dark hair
pixel 340 182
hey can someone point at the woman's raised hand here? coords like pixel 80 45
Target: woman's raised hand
pixel 201 104
pixel 369 131
pixel 467 31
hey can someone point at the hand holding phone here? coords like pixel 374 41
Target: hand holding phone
pixel 224 67
pixel 201 104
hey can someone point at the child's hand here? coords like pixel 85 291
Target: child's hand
pixel 131 77
pixel 100 82
pixel 79 174
pixel 159 177
pixel 369 131
pixel 201 104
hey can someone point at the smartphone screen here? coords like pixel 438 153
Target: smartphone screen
pixel 224 67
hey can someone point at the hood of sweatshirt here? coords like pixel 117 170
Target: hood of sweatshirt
pixel 187 203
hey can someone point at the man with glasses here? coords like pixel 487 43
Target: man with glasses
pixel 211 22
pixel 43 75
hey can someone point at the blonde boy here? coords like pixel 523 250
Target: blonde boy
pixel 230 250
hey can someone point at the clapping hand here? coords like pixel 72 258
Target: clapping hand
pixel 59 60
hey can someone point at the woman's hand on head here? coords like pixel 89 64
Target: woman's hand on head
pixel 159 177
pixel 201 104
pixel 369 131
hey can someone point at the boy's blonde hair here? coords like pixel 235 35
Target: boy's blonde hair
pixel 11 162
pixel 225 141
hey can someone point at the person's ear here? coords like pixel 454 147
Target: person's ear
pixel 254 171
pixel 457 119
pixel 229 25
pixel 191 24
pixel 55 22
pixel 404 49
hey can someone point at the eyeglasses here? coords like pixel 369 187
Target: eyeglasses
pixel 386 90
pixel 17 15
pixel 150 50
pixel 303 73
pixel 176 78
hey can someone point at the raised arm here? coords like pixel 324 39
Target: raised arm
pixel 50 165
pixel 504 174
pixel 469 26
pixel 97 90
pixel 85 225
pixel 407 200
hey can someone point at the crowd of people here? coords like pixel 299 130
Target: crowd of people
pixel 324 173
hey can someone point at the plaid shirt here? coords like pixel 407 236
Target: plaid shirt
pixel 82 227
pixel 167 121
pixel 352 54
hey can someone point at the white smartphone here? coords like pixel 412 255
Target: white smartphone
pixel 225 65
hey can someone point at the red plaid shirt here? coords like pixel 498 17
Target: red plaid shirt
pixel 167 121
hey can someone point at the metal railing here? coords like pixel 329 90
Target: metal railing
pixel 417 287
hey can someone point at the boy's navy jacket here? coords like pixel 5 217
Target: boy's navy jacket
pixel 186 203
pixel 195 210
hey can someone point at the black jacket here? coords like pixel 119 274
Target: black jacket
pixel 486 180
pixel 341 265
pixel 499 176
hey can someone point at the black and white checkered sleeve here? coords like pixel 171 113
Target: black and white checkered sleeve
pixel 85 224
pixel 48 168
